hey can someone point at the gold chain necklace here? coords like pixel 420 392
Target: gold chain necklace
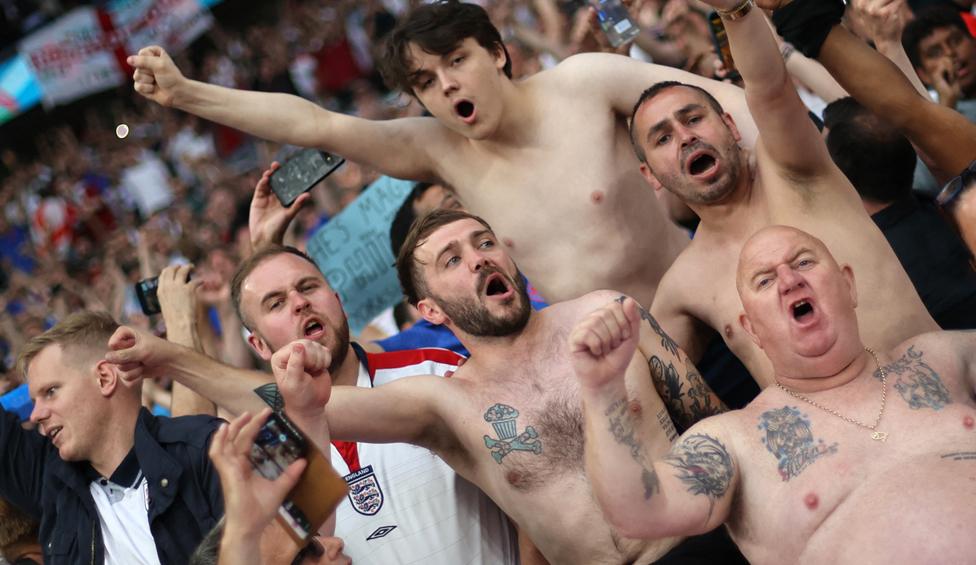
pixel 876 435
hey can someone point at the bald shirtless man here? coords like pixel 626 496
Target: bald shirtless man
pixel 508 420
pixel 853 457
pixel 690 147
pixel 545 160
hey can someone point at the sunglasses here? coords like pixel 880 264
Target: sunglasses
pixel 954 187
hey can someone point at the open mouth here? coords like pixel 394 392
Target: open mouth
pixel 496 285
pixel 312 327
pixel 54 433
pixel 802 311
pixel 464 109
pixel 700 164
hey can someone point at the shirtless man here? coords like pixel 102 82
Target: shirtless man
pixel 854 457
pixel 545 160
pixel 508 419
pixel 691 148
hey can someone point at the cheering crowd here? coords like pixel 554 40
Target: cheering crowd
pixel 758 340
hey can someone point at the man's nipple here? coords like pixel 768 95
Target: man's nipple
pixel 596 196
pixel 508 242
pixel 811 501
pixel 968 422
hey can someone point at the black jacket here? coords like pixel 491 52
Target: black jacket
pixel 185 500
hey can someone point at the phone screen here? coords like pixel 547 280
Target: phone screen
pixel 301 172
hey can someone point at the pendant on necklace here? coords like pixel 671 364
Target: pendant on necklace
pixel 880 436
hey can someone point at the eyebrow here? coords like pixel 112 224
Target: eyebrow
pixel 279 292
pixel 768 269
pixel 683 111
pixel 454 243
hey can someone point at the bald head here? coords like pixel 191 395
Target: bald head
pixel 768 244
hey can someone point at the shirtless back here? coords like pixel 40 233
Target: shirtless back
pixel 788 179
pixel 546 160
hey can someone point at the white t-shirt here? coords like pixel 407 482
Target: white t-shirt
pixel 405 505
pixel 123 513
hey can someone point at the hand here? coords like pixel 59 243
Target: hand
pixel 268 219
pixel 946 83
pixel 250 500
pixel 723 5
pixel 603 343
pixel 156 76
pixel 139 354
pixel 597 33
pixel 178 296
pixel 882 20
pixel 301 369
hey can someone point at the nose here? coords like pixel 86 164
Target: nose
pixel 39 414
pixel 788 279
pixel 686 136
pixel 447 82
pixel 298 301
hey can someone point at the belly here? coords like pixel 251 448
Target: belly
pixel 923 511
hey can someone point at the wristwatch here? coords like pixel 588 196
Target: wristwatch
pixel 738 12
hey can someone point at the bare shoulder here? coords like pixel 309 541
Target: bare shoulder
pixel 687 275
pixel 937 347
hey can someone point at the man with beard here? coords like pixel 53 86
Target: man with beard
pixel 688 145
pixel 425 511
pixel 508 419
pixel 854 456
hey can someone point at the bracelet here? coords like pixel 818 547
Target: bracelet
pixel 738 12
pixel 786 50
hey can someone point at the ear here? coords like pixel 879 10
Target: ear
pixel 848 273
pixel 431 312
pixel 500 55
pixel 648 175
pixel 107 377
pixel 747 326
pixel 730 122
pixel 259 346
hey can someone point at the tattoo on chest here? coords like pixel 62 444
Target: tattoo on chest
pixel 961 456
pixel 686 407
pixel 664 420
pixel 916 382
pixel 270 395
pixel 624 433
pixel 703 465
pixel 789 438
pixel 503 419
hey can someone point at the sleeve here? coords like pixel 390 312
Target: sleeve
pixel 22 465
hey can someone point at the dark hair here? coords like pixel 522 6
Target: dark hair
pixel 411 280
pixel 925 23
pixel 405 217
pixel 437 28
pixel 653 91
pixel 251 263
pixel 876 157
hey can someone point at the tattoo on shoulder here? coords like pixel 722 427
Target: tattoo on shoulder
pixel 502 418
pixel 787 435
pixel 622 427
pixel 917 383
pixel 960 456
pixel 270 395
pixel 686 407
pixel 704 465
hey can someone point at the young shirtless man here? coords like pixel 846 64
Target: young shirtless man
pixel 508 419
pixel 691 148
pixel 546 160
pixel 854 456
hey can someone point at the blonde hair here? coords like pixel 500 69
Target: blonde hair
pixel 81 329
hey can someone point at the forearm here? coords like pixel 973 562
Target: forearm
pixel 894 51
pixel 814 76
pixel 234 350
pixel 230 388
pixel 185 402
pixel 758 59
pixel 239 547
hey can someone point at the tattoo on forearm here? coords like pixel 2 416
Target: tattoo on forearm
pixel 271 396
pixel 503 419
pixel 704 465
pixel 686 408
pixel 961 456
pixel 918 384
pixel 664 419
pixel 667 343
pixel 624 433
pixel 789 438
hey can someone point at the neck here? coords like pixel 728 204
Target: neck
pixel 116 441
pixel 348 373
pixel 488 349
pixel 733 214
pixel 518 123
pixel 849 371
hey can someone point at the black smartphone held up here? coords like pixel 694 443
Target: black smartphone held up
pixel 279 443
pixel 146 292
pixel 301 172
pixel 720 40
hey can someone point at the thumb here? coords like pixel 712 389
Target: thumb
pixel 633 316
pixel 123 338
pixel 296 363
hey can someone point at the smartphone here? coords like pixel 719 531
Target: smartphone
pixel 146 293
pixel 320 489
pixel 301 172
pixel 615 22
pixel 720 40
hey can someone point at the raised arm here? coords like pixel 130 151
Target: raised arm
pixel 943 134
pixel 400 148
pixel 687 492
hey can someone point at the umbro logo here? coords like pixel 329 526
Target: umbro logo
pixel 380 532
